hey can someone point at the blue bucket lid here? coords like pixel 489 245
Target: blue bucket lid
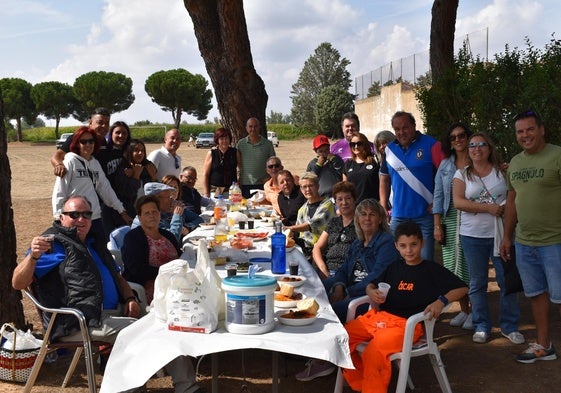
pixel 244 281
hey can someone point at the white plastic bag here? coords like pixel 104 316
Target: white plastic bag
pixel 194 298
pixel 162 283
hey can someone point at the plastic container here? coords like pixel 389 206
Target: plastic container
pixel 278 250
pixel 235 194
pixel 221 230
pixel 220 209
pixel 249 304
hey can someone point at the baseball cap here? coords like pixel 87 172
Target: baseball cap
pixel 320 140
pixel 153 188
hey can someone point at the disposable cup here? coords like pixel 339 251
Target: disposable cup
pixel 384 287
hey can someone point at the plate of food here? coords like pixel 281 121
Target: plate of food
pixel 287 297
pixel 256 236
pixel 305 314
pixel 243 267
pixel 294 281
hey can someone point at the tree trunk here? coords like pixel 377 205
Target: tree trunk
pixel 11 309
pixel 18 129
pixel 221 32
pixel 57 124
pixel 442 30
pixel 177 117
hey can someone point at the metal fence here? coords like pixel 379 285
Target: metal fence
pixel 410 68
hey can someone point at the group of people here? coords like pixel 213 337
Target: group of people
pixel 363 213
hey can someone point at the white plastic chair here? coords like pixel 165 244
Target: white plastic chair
pixel 426 346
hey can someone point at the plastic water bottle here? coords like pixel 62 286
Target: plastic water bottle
pixel 278 250
pixel 235 193
pixel 221 231
pixel 220 209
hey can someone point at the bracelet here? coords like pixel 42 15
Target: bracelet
pixel 438 227
pixel 133 298
pixel 443 299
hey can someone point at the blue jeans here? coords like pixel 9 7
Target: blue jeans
pixel 540 270
pixel 477 252
pixel 427 227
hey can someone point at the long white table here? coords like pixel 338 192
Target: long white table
pixel 147 345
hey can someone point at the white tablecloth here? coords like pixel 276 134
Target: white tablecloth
pixel 147 345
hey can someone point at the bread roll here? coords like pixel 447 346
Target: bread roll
pixel 308 305
pixel 287 290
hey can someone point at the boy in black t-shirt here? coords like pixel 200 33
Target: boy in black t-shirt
pixel 416 285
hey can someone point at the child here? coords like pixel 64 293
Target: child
pixel 328 167
pixel 416 285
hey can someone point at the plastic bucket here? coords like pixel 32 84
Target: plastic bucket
pixel 249 304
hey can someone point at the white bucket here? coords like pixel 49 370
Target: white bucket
pixel 249 304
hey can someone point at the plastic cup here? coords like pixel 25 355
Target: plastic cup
pixel 50 239
pixel 293 266
pixel 384 287
pixel 241 224
pixel 250 224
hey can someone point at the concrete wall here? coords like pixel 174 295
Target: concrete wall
pixel 375 113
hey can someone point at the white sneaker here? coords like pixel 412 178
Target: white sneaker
pixel 480 337
pixel 468 323
pixel 459 319
pixel 515 337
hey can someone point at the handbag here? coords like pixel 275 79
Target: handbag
pixel 16 361
pixel 513 282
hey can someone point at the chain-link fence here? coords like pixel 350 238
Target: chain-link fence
pixel 409 69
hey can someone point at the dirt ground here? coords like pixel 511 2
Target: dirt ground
pixel 488 368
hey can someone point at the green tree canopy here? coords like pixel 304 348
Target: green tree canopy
pixel 180 91
pixel 17 102
pixel 55 100
pixel 323 69
pixel 96 89
pixel 486 95
pixel 331 102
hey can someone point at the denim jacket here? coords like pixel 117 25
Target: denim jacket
pixel 443 186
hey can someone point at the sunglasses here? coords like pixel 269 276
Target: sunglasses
pixel 176 162
pixel 87 141
pixel 458 137
pixel 525 114
pixel 273 166
pixel 473 145
pixel 354 145
pixel 75 215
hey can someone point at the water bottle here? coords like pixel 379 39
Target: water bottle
pixel 235 193
pixel 221 231
pixel 220 209
pixel 278 250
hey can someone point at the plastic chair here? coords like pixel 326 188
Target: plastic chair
pixel 83 346
pixel 426 346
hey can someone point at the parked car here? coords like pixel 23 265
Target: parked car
pixel 205 139
pixel 60 141
pixel 272 136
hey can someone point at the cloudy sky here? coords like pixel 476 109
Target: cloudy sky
pixel 43 40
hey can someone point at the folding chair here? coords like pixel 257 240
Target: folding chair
pixel 85 345
pixel 426 346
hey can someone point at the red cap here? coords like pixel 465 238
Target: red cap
pixel 319 141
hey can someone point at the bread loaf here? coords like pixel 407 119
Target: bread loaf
pixel 308 305
pixel 287 290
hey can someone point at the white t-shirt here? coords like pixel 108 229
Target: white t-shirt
pixel 487 189
pixel 165 163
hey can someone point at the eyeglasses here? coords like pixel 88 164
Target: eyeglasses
pixel 274 166
pixel 458 137
pixel 87 141
pixel 525 114
pixel 75 215
pixel 354 145
pixel 473 145
pixel 176 162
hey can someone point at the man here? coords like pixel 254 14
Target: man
pixel 532 206
pixel 408 169
pixel 327 166
pixel 271 186
pixel 350 125
pixel 80 273
pixel 190 197
pixel 166 159
pixel 99 124
pixel 253 152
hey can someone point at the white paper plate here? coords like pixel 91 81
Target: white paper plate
pixel 288 304
pixel 294 284
pixel 294 321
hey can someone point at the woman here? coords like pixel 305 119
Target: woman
pixel 147 247
pixel 191 220
pixel 220 166
pixel 313 215
pixel 479 192
pixel 446 217
pixel 362 169
pixel 86 177
pixel 133 173
pixel 333 244
pixel 381 140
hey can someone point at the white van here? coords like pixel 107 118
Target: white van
pixel 272 136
